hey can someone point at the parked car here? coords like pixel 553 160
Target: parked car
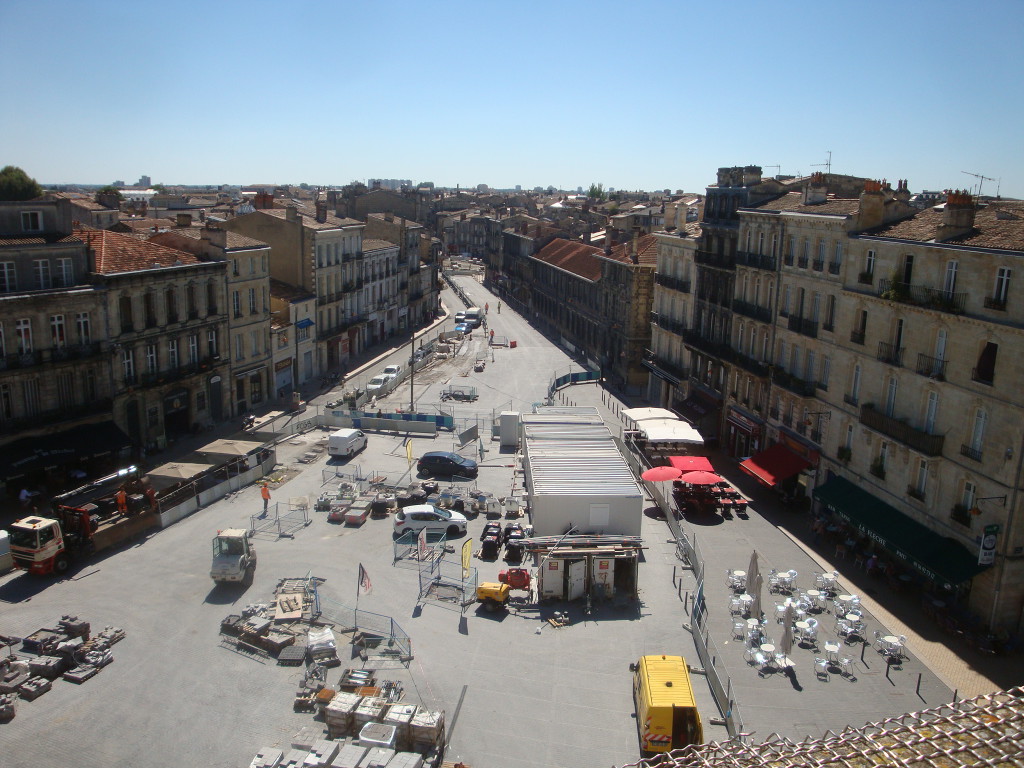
pixel 460 317
pixel 464 328
pixel 393 370
pixel 447 464
pixel 420 516
pixel 380 384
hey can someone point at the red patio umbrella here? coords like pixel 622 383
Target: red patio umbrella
pixel 661 474
pixel 700 478
pixel 691 463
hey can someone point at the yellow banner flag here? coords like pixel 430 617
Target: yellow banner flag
pixel 467 553
pixel 408 449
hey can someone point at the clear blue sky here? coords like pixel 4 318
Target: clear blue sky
pixel 641 95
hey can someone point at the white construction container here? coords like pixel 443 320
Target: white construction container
pixel 508 429
pixel 378 735
pixel 268 757
pixel 378 757
pixel 370 710
pixel 349 756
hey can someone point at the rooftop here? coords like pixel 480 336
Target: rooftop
pixel 997 225
pixel 116 253
pixel 308 217
pixel 235 240
pixel 983 731
pixel 572 256
pixel 792 202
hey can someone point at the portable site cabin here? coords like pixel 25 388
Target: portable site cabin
pixel 575 475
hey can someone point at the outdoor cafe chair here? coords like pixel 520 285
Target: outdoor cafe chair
pixel 821 668
pixel 739 630
pixel 846 667
pixel 735 605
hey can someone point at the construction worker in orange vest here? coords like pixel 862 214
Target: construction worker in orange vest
pixel 265 493
pixel 121 497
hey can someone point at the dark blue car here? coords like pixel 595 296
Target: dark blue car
pixel 446 464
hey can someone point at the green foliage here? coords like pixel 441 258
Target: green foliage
pixel 159 188
pixel 596 191
pixel 110 189
pixel 16 185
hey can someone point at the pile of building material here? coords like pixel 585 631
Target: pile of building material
pixel 66 651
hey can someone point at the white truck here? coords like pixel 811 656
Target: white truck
pixel 234 557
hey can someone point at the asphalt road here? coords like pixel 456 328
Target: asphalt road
pixel 517 691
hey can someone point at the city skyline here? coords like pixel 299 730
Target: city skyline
pixel 654 96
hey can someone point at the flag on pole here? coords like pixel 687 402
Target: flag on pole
pixel 421 544
pixel 408 449
pixel 365 587
pixel 467 554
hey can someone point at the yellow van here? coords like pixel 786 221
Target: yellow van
pixel 666 713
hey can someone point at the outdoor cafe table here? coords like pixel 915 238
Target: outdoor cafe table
pixel 832 650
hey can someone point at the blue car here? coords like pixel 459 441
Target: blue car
pixel 446 463
pixel 464 328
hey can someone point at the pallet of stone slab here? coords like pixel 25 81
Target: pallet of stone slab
pixel 13 676
pixel 7 706
pixel 43 641
pixel 338 714
pixel 48 666
pixel 111 634
pixel 34 687
pixel 292 655
pixel 321 753
pixel 268 757
pixel 80 673
pixel 72 626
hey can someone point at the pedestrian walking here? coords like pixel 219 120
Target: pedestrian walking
pixel 499 307
pixel 121 497
pixel 265 493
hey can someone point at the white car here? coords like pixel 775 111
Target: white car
pixel 420 516
pixel 393 370
pixel 380 384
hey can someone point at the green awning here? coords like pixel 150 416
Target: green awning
pixel 937 557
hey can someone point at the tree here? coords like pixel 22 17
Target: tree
pixel 160 188
pixel 15 185
pixel 110 189
pixel 596 191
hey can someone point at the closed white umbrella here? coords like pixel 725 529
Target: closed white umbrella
pixel 754 588
pixel 752 568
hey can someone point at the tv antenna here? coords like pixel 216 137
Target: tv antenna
pixel 981 179
pixel 827 165
pixel 778 168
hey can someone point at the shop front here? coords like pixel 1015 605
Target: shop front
pixel 744 431
pixel 704 411
pixel 283 385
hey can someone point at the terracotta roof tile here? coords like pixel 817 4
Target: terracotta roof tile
pixel 122 253
pixel 793 202
pixel 998 225
pixel 235 240
pixel 370 244
pixel 309 219
pixel 289 293
pixel 44 239
pixel 574 257
pixel 647 251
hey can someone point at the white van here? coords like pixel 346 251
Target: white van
pixel 346 442
pixel 474 316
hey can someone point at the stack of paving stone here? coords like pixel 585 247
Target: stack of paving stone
pixel 427 729
pixel 338 713
pixel 321 753
pixel 268 757
pixel 400 716
pixel 370 710
pixel 349 756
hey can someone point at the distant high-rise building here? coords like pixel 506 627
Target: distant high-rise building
pixel 145 181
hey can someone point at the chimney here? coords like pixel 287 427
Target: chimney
pixel 635 255
pixel 215 236
pixel 871 209
pixel 389 216
pixel 902 191
pixel 184 219
pixel 815 190
pixel 957 215
pixel 321 212
pixel 751 175
pixel 291 213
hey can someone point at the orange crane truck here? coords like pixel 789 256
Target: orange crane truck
pixel 85 520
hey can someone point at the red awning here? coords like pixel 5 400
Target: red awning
pixel 691 463
pixel 773 466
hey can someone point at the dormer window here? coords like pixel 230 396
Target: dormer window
pixel 31 221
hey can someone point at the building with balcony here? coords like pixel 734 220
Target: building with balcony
pixel 247 288
pixel 418 286
pixel 599 302
pixel 322 254
pixel 55 386
pixel 293 337
pixel 165 312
